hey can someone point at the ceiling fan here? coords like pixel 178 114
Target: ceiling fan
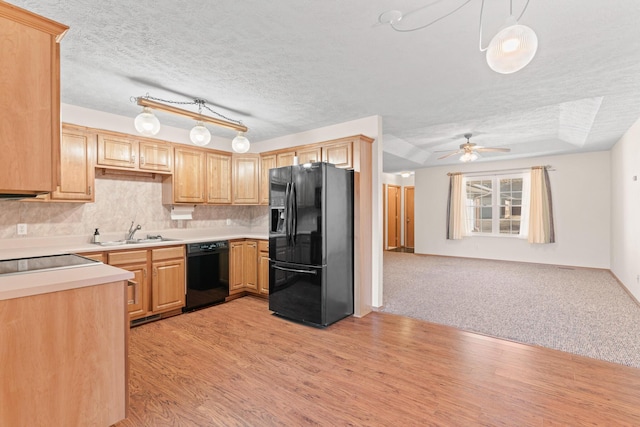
pixel 469 150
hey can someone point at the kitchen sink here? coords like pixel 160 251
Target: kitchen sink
pixel 148 239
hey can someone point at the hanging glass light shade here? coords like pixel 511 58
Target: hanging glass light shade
pixel 146 122
pixel 200 135
pixel 240 143
pixel 512 48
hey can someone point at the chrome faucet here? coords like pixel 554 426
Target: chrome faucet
pixel 132 230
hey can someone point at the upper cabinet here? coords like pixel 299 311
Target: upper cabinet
pixel 309 155
pixel 76 170
pixel 218 178
pixel 340 153
pixel 266 162
pixel 187 185
pixel 120 151
pixel 246 169
pixel 30 101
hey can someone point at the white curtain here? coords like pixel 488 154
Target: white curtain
pixel 541 228
pixel 457 225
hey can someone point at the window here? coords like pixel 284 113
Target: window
pixel 494 204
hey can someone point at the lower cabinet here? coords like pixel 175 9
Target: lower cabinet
pixel 168 279
pixel 159 282
pixel 263 267
pixel 247 263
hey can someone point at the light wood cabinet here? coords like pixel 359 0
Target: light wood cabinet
pixel 135 261
pixel 266 163
pixel 309 155
pixel 188 182
pixel 243 271
pixel 339 153
pixel 121 151
pixel 285 159
pixel 218 178
pixel 168 279
pixel 155 156
pixel 263 267
pixel 162 290
pixel 76 169
pixel 246 169
pixel 30 101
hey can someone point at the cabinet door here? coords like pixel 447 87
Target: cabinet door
pixel 340 154
pixel 155 156
pixel 167 285
pixel 188 176
pixel 266 163
pixel 30 100
pixel 117 151
pixel 137 291
pixel 245 179
pixel 263 267
pixel 250 261
pixel 309 155
pixel 285 159
pixel 218 178
pixel 236 276
pixel 76 174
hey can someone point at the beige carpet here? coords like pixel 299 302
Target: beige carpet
pixel 581 311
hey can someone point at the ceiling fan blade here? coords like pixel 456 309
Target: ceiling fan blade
pixel 451 154
pixel 486 149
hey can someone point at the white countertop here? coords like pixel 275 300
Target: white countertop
pixel 30 247
pixel 34 283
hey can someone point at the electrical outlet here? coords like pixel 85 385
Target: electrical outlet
pixel 22 229
pixel 228 221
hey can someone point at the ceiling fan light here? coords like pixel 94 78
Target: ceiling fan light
pixel 512 49
pixel 146 122
pixel 468 157
pixel 200 135
pixel 240 143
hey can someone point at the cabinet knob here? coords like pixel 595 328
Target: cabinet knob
pixel 89 190
pixel 133 158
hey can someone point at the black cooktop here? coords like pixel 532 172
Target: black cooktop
pixel 40 263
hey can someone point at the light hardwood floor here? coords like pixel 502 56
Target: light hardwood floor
pixel 237 365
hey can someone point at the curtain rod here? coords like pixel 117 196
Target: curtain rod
pixel 501 171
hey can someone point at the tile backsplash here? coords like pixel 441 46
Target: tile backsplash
pixel 120 200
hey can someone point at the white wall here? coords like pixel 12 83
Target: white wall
pixel 625 210
pixel 580 188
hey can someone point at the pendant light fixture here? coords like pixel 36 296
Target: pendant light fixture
pixel 148 124
pixel 513 47
pixel 509 51
pixel 200 135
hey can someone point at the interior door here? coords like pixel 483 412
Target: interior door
pixel 393 216
pixel 408 216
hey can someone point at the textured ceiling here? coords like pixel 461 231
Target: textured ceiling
pixel 292 65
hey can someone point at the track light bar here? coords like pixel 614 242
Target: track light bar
pixel 145 102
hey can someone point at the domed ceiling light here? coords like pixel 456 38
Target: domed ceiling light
pixel 509 51
pixel 148 124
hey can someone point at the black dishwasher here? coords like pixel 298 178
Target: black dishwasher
pixel 207 274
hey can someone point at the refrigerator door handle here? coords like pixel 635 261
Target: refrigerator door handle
pixel 294 208
pixel 287 228
pixel 295 270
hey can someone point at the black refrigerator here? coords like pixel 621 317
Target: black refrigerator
pixel 311 243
